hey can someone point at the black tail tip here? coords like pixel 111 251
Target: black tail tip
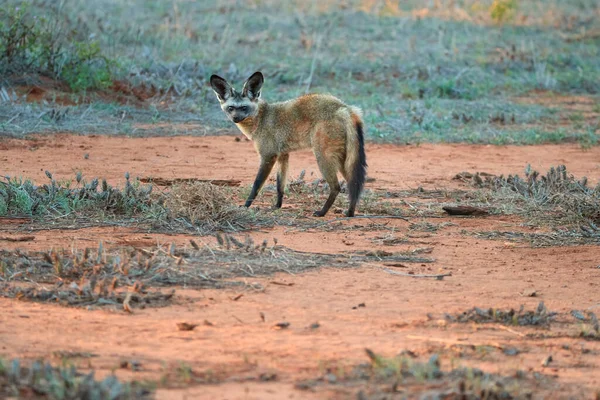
pixel 359 174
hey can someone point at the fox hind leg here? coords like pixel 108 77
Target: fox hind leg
pixel 352 205
pixel 329 166
pixel 283 162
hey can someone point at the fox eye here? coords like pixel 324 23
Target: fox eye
pixel 230 108
pixel 244 108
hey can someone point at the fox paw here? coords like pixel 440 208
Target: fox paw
pixel 318 214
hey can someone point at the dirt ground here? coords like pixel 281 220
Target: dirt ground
pixel 240 355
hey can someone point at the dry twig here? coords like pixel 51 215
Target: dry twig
pixel 437 276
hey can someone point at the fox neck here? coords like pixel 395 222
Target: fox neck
pixel 249 126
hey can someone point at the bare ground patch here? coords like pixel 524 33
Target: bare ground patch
pixel 322 292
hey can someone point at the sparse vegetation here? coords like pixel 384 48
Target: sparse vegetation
pixel 40 380
pixel 402 376
pixel 21 197
pixel 450 78
pixel 556 199
pixel 540 316
pixel 95 276
pixel 200 207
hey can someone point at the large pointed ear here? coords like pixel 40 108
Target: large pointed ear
pixel 221 87
pixel 253 85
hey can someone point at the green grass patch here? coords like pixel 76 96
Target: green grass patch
pixel 418 79
pixel 40 380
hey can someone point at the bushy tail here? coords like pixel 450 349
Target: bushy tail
pixel 356 159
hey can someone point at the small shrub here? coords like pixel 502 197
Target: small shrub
pixel 503 10
pixel 31 44
pixel 540 316
pixel 22 201
pixel 588 139
pixel 3 206
pixel 87 68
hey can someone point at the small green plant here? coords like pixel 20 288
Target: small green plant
pixel 87 68
pixel 577 117
pixel 448 89
pixel 588 139
pixel 503 10
pixel 22 201
pixel 185 372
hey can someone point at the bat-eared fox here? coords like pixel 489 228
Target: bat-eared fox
pixel 324 123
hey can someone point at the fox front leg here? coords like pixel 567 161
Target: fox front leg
pixel 266 165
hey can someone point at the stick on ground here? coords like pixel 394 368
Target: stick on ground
pixel 436 276
pixel 17 239
pixel 465 210
pixel 454 341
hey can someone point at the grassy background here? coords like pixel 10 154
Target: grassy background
pixel 422 71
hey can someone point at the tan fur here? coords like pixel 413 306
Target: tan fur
pixel 293 125
pixel 352 144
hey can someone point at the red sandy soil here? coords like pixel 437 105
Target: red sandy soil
pixel 394 167
pixel 240 346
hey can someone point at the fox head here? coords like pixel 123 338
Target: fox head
pixel 238 106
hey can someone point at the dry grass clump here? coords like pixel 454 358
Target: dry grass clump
pixel 210 208
pixel 556 188
pixel 556 199
pixel 540 316
pixel 90 293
